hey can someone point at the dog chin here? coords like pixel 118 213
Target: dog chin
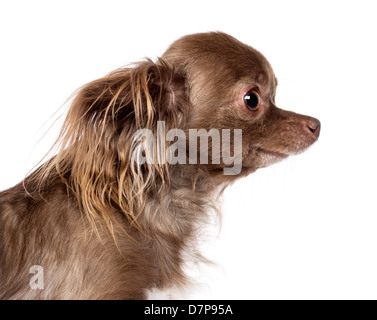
pixel 267 159
pixel 261 158
pixel 270 157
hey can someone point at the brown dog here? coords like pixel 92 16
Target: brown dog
pixel 96 223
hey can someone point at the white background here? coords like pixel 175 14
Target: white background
pixel 303 229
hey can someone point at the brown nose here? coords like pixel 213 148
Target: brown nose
pixel 314 126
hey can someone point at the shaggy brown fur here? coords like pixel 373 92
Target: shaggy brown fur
pixel 103 227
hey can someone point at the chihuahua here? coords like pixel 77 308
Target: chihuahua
pixel 113 214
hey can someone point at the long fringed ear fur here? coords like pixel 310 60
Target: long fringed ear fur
pixel 96 138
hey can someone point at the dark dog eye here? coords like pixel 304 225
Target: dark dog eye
pixel 252 100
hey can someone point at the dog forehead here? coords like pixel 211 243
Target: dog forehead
pixel 217 53
pixel 245 65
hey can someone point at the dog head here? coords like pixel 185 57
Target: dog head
pixel 231 85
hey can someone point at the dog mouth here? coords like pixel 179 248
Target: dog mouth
pixel 266 152
pixel 274 154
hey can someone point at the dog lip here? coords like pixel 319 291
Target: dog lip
pixel 272 153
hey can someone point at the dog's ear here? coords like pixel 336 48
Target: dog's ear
pixel 96 138
pixel 144 94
